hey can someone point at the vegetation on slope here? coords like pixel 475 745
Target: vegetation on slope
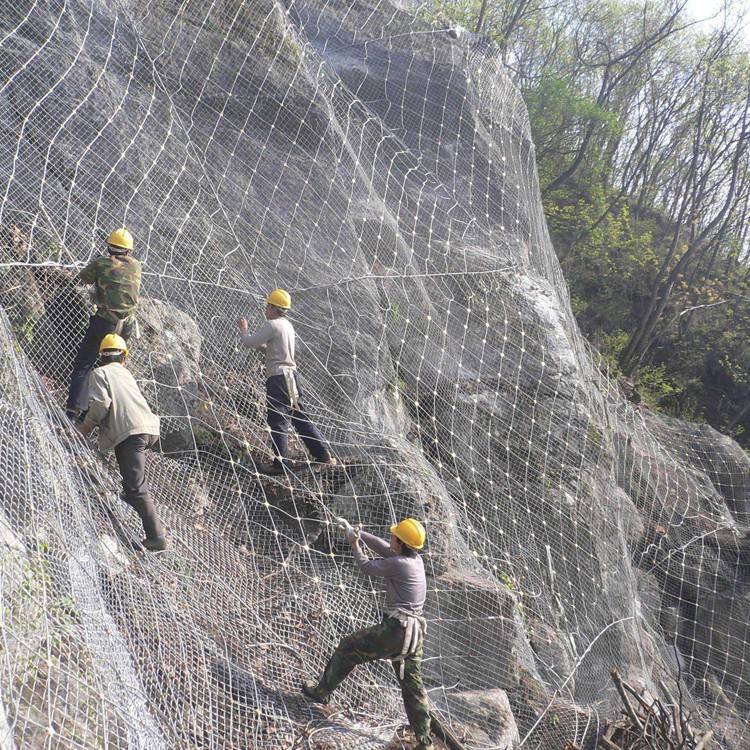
pixel 642 130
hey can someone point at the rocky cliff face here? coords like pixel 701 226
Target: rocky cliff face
pixel 381 170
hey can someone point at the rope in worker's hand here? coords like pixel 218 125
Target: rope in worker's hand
pixel 352 533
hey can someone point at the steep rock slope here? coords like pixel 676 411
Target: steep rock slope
pixel 382 171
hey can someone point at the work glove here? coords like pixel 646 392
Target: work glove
pixel 351 533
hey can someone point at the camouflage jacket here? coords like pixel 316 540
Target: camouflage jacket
pixel 117 280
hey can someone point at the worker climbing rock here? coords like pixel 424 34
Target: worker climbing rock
pixel 399 637
pixel 116 280
pixel 283 395
pixel 126 424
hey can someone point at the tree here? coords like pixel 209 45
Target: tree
pixel 641 125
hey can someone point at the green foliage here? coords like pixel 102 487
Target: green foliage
pixel 463 12
pixel 24 329
pixel 594 435
pixel 616 108
pixel 606 256
pixel 398 387
pixel 559 112
pixel 655 386
pixel 613 345
pixel 707 353
pixel 508 581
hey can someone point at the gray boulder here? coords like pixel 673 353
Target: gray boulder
pixel 487 718
pixel 166 361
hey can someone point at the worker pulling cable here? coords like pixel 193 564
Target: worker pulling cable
pixel 399 638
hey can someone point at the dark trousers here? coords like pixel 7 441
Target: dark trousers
pixel 131 458
pixel 383 641
pixel 280 414
pixel 88 353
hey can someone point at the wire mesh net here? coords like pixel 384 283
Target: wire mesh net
pixel 381 170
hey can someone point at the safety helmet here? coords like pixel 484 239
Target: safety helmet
pixel 279 298
pixel 410 532
pixel 113 343
pixel 120 239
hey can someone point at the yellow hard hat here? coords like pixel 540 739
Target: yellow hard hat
pixel 279 298
pixel 120 238
pixel 410 532
pixel 112 342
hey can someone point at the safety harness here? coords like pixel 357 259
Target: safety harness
pixel 414 629
pixel 291 386
pixel 415 626
pixel 128 320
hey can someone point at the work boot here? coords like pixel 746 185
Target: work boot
pixel 313 692
pixel 157 544
pixel 73 414
pixel 271 468
pixel 321 463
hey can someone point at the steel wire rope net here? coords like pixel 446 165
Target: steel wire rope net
pixel 381 170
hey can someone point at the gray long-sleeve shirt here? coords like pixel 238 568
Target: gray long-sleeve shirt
pixel 405 584
pixel 277 337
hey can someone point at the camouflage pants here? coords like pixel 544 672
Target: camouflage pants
pixel 383 641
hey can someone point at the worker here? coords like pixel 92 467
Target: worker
pixel 399 637
pixel 116 280
pixel 283 396
pixel 126 424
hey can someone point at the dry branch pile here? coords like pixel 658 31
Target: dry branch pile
pixel 649 724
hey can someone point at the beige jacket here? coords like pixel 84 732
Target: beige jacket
pixel 117 406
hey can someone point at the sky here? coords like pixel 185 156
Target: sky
pixel 705 9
